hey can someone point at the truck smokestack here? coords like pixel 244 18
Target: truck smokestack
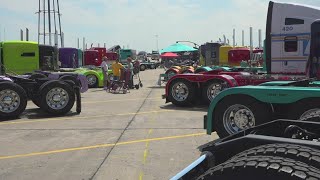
pixel 27 34
pixel 242 37
pixel 21 35
pixel 259 38
pixel 251 43
pixel 84 43
pixel 234 38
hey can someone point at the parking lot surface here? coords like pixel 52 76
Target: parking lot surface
pixel 117 136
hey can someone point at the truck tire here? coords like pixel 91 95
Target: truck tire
pixel 92 81
pixel 247 112
pixel 212 89
pixel 303 154
pixel 142 67
pixel 36 101
pixel 262 168
pixel 315 116
pixel 304 108
pixel 56 97
pixel 181 92
pixel 71 78
pixel 13 100
pixel 37 76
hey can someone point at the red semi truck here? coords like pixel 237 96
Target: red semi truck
pixel 93 56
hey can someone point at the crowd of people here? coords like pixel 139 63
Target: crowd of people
pixel 117 69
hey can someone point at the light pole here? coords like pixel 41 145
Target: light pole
pixel 157 43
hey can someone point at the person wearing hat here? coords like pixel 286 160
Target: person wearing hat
pixel 105 68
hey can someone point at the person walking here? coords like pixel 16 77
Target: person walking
pixel 105 68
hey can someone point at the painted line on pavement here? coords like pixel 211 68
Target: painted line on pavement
pixel 81 117
pixel 119 100
pixel 99 146
pixel 146 149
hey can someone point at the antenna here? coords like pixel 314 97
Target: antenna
pixel 49 9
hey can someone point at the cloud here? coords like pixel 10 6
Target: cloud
pixel 136 22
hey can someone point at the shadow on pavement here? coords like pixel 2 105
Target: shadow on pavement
pixel 200 108
pixel 37 113
pixel 157 87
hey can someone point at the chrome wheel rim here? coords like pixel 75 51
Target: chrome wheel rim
pixel 180 91
pixel 310 111
pixel 237 118
pixel 9 101
pixel 57 98
pixel 213 90
pixel 92 79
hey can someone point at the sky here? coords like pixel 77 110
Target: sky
pixel 142 25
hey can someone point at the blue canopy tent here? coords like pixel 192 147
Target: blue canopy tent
pixel 177 47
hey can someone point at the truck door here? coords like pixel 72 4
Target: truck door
pixel 314 57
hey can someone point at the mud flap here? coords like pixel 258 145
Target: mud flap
pixel 205 117
pixel 78 96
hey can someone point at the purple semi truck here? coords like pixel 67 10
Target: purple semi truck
pixel 69 57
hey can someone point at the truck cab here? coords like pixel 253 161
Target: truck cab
pixel 19 57
pixel 291 38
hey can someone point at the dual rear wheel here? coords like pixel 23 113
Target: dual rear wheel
pixel 235 113
pixel 13 100
pixel 183 92
pixel 56 97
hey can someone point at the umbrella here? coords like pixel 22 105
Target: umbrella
pixel 177 48
pixel 169 55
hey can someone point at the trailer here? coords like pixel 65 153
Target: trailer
pixel 291 53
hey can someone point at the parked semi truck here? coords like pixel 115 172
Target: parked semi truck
pixel 291 52
pixel 252 145
pixel 29 58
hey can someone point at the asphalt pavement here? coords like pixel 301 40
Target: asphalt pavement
pixel 117 137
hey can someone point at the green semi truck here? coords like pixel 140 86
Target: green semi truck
pixel 25 57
